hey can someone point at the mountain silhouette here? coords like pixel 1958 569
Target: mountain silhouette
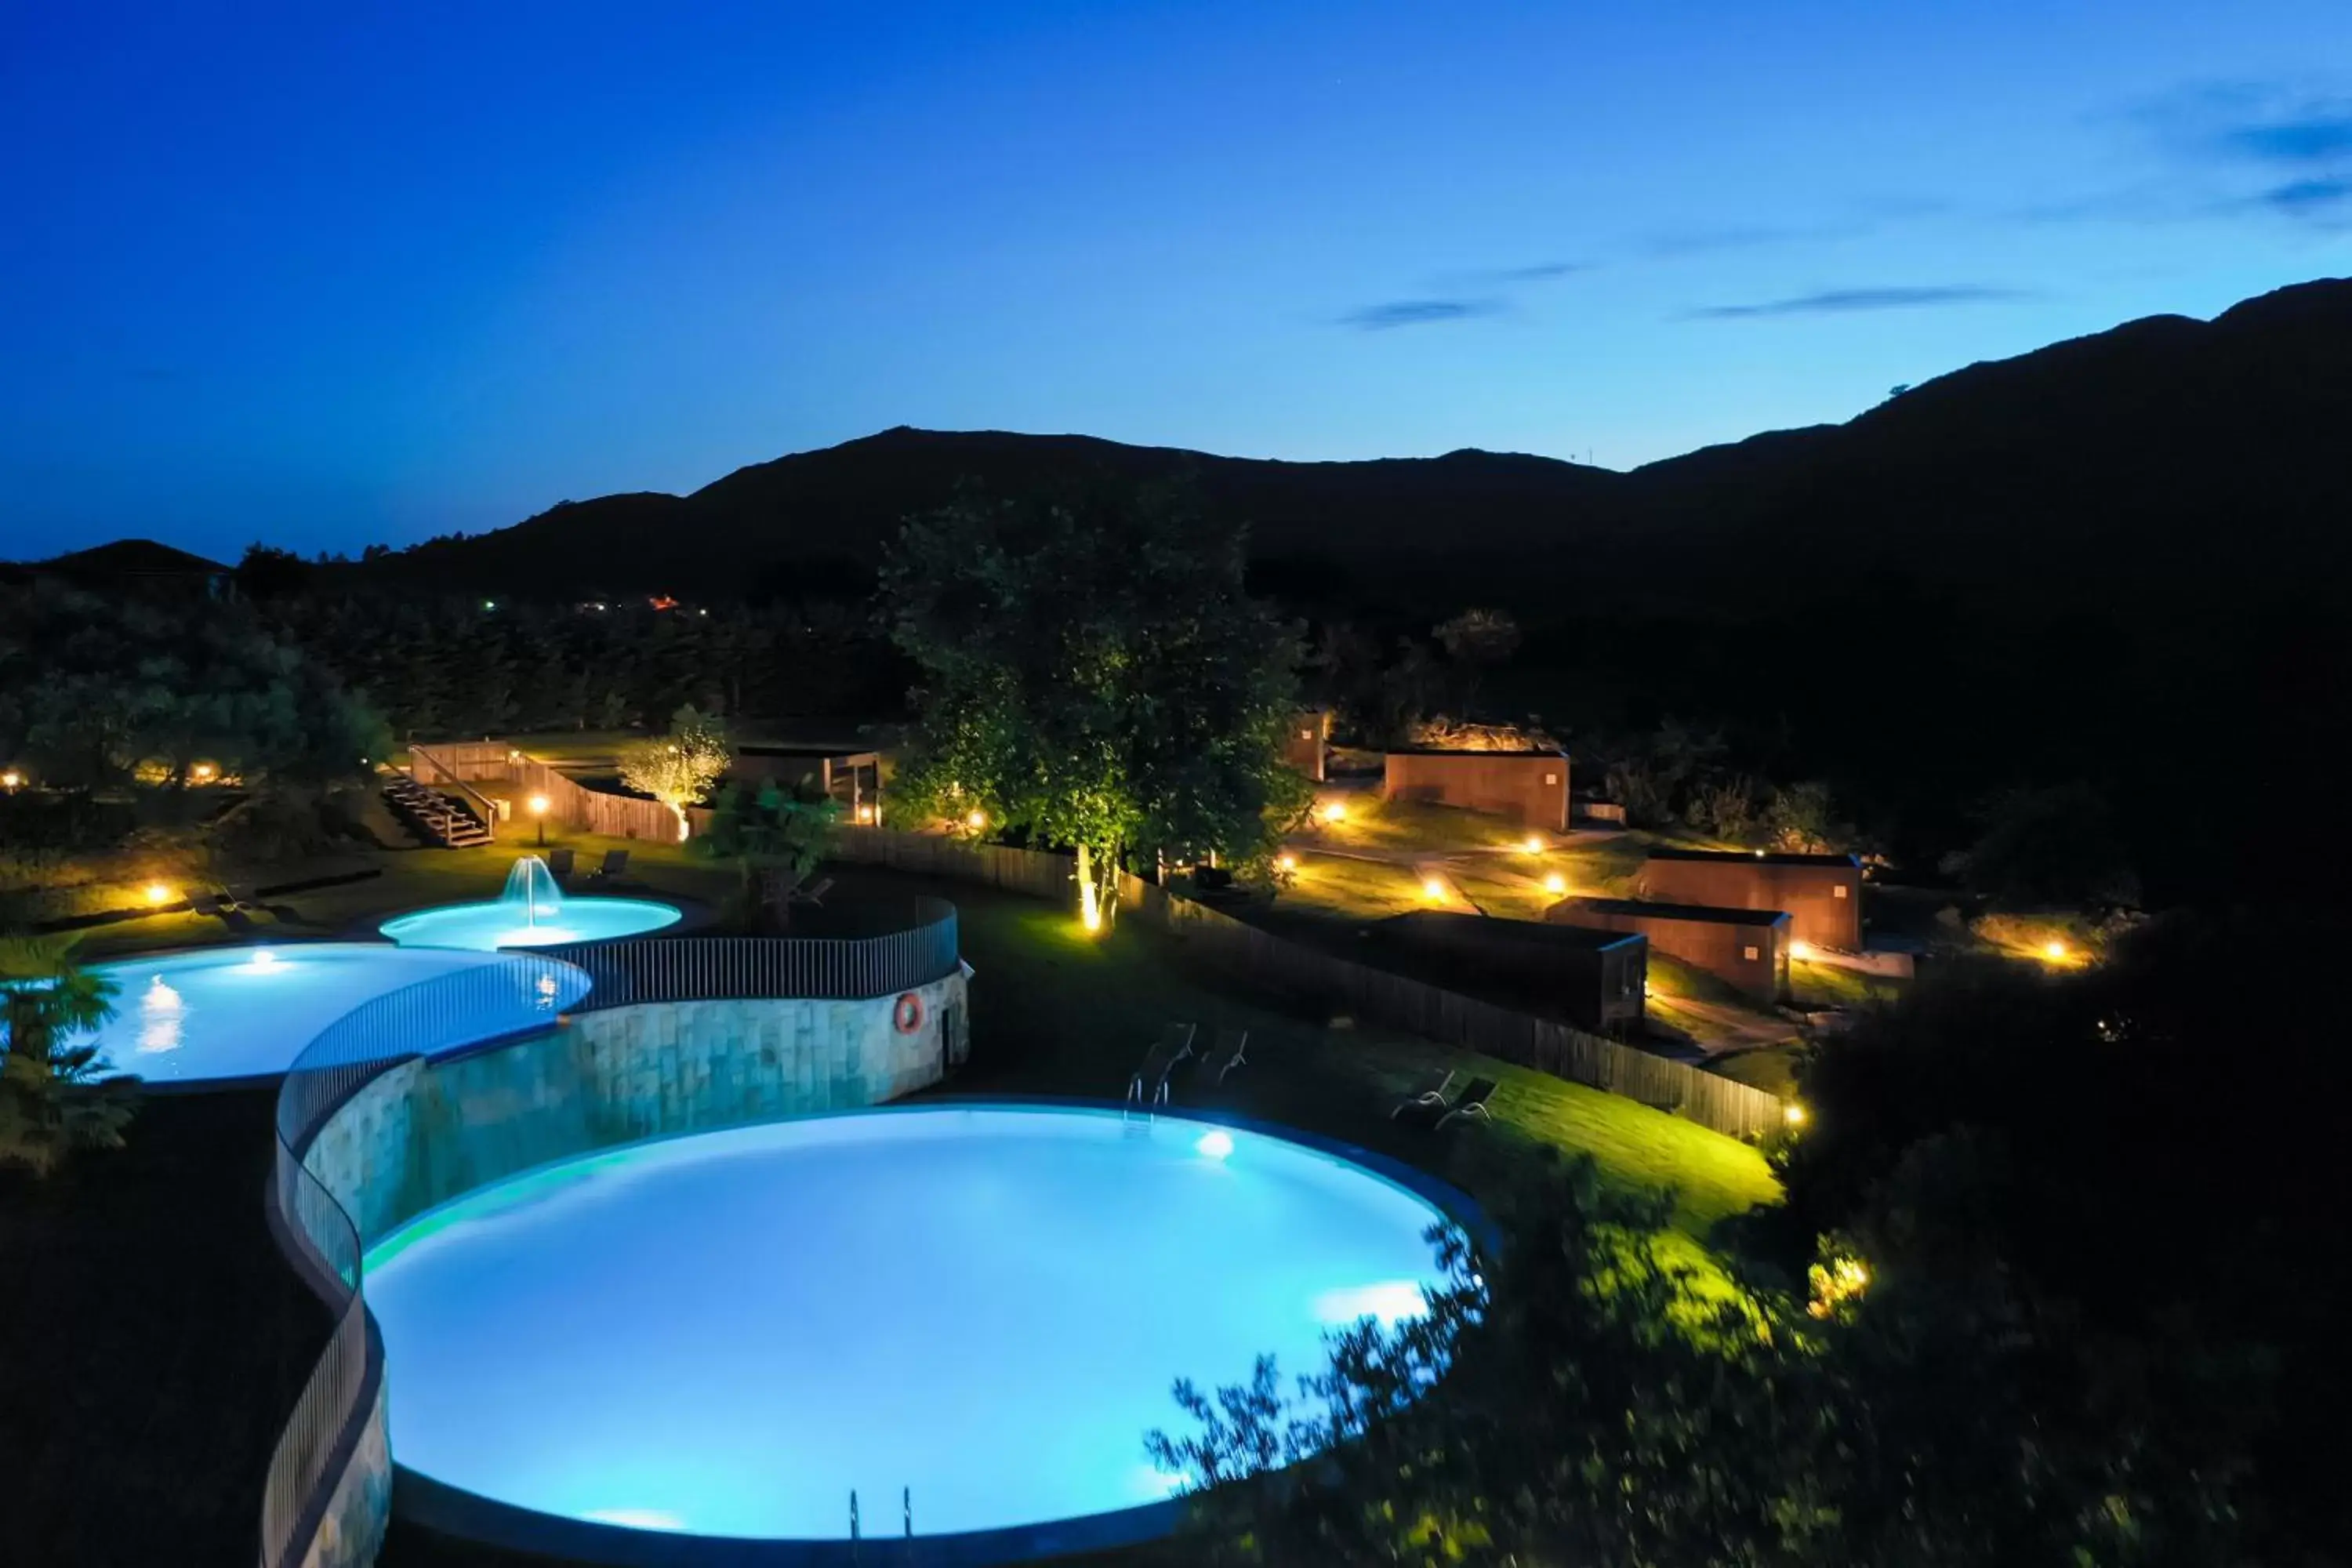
pixel 2167 450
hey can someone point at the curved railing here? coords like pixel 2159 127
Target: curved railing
pixel 468 1008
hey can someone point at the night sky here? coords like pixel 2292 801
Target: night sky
pixel 331 274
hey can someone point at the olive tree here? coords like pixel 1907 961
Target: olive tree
pixel 1092 675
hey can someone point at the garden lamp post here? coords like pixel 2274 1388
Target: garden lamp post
pixel 537 805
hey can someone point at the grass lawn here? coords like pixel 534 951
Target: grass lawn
pixel 171 1338
pixel 1827 985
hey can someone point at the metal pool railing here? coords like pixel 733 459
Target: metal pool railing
pixel 470 1007
pixel 676 969
pixel 466 1008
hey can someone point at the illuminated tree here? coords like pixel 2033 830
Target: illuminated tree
pixel 679 768
pixel 1092 675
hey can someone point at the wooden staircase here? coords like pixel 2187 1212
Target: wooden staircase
pixel 435 817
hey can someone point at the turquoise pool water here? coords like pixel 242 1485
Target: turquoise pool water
pixel 728 1333
pixel 243 1012
pixel 497 923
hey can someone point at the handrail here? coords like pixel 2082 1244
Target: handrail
pixel 524 991
pixel 488 811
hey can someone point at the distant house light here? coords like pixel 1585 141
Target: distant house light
pixel 1555 883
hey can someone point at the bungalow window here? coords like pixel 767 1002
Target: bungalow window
pixel 1551 778
pixel 1838 891
pixel 1749 954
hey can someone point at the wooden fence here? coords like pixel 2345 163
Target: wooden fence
pixel 1711 1101
pixel 517 778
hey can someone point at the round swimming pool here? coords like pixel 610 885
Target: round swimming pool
pixel 246 1012
pixel 977 1311
pixel 498 922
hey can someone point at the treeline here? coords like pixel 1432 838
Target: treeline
pixel 445 664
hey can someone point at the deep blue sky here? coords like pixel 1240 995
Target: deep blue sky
pixel 330 273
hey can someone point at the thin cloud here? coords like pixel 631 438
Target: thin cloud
pixel 1541 272
pixel 2324 199
pixel 2286 149
pixel 1849 301
pixel 1394 313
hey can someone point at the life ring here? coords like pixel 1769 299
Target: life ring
pixel 906 1013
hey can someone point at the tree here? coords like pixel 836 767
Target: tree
pixel 1573 1398
pixel 679 769
pixel 1475 640
pixel 1092 675
pixel 1570 1398
pixel 2048 848
pixel 776 838
pixel 53 1099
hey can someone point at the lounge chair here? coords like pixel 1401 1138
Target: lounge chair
pixel 1433 1096
pixel 615 867
pixel 1225 1054
pixel 224 909
pixel 1149 1084
pixel 1472 1106
pixel 559 864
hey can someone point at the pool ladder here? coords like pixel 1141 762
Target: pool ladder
pixel 906 1512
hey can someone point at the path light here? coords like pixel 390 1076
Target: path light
pixel 536 806
pixel 1800 951
pixel 203 772
pixel 1794 1114
pixel 1285 862
pixel 1333 811
pixel 2054 951
pixel 975 819
pixel 1555 883
pixel 1532 845
pixel 1434 890
pixel 158 893
pixel 12 779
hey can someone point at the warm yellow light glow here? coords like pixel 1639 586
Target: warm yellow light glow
pixel 866 814
pixel 537 805
pixel 1434 890
pixel 1794 1114
pixel 203 771
pixel 12 779
pixel 1334 811
pixel 157 893
pixel 1555 883
pixel 1759 854
pixel 976 819
pixel 1089 906
pixel 2054 951
pixel 1836 1283
pixel 1800 950
pixel 1532 845
pixel 1287 862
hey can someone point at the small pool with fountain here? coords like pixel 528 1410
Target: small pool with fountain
pixel 533 911
pixel 210 1018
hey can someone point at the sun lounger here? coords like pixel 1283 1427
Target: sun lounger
pixel 1225 1054
pixel 1433 1096
pixel 1472 1106
pixel 559 864
pixel 226 909
pixel 614 869
pixel 1149 1084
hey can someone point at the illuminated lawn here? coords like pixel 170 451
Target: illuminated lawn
pixel 1054 1012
